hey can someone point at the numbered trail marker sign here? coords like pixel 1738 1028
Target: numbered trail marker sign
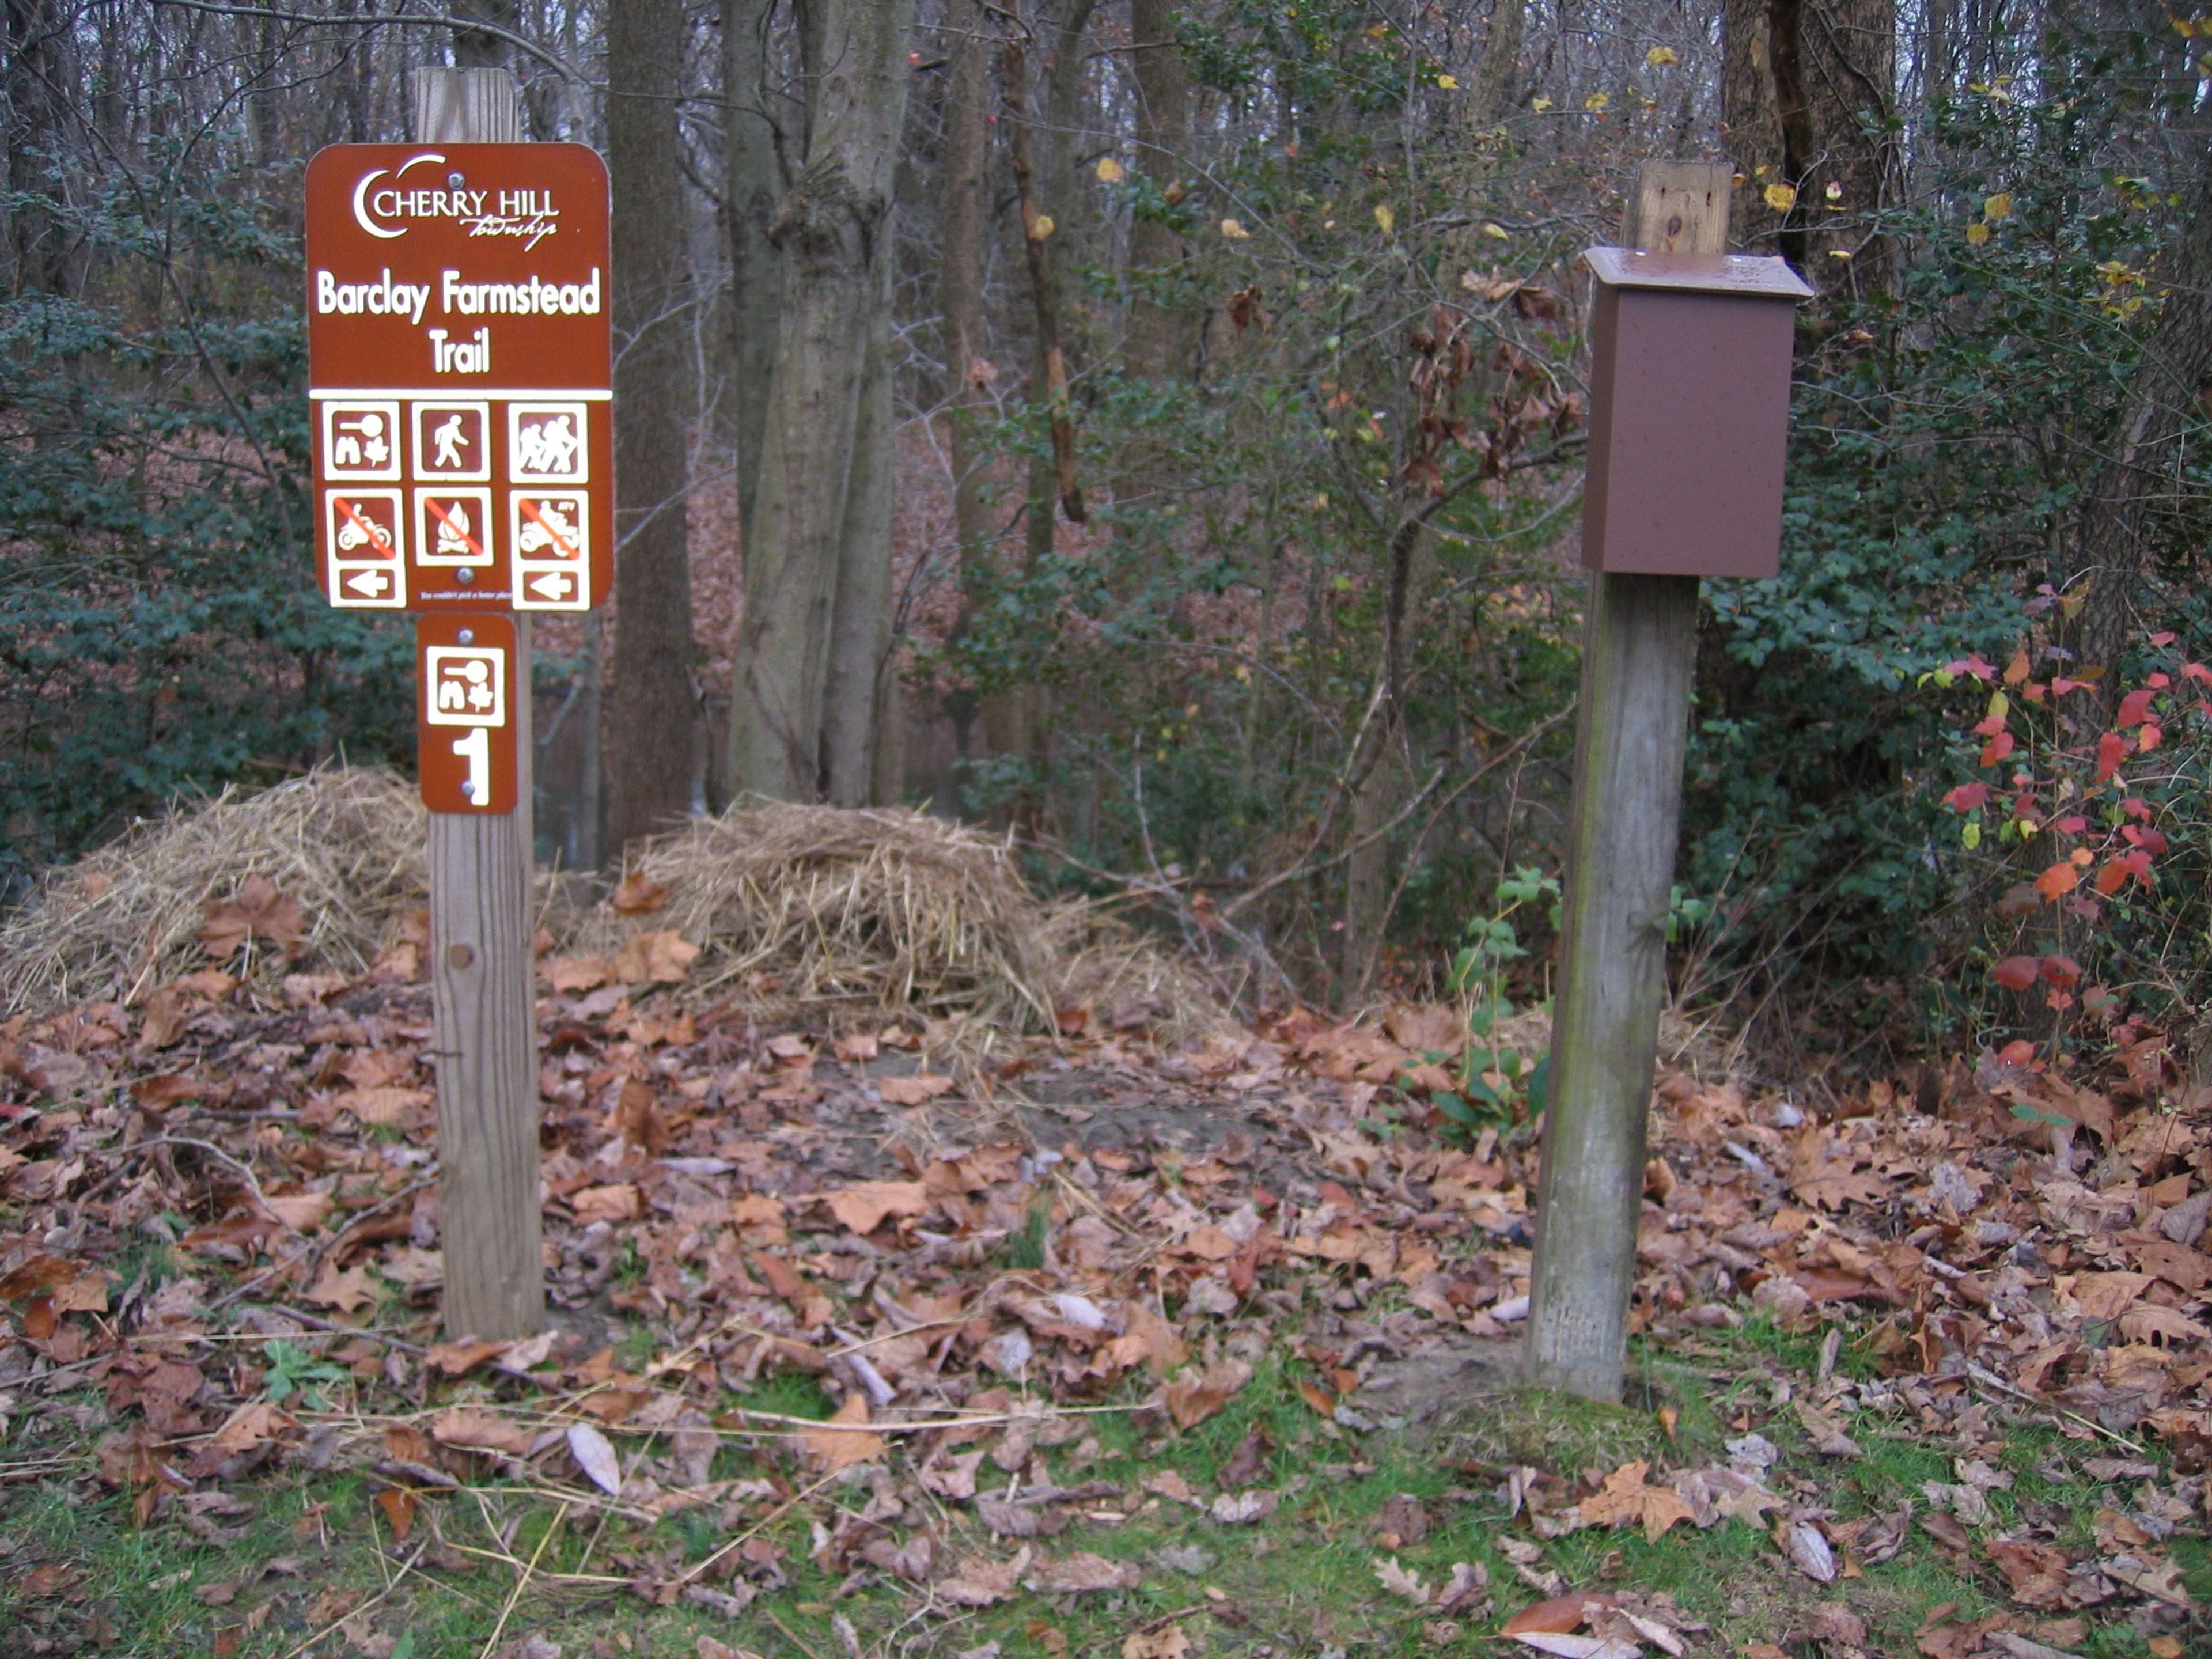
pixel 464 715
pixel 460 361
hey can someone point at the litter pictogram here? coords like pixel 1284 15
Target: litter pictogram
pixel 360 440
pixel 465 735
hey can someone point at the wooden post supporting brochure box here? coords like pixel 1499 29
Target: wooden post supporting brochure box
pixel 460 366
pixel 1689 420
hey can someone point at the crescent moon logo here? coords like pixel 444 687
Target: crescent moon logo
pixel 360 197
pixel 360 208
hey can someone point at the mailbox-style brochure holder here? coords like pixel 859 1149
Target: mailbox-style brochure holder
pixel 1689 412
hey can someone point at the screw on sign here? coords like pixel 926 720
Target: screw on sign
pixel 464 730
pixel 459 334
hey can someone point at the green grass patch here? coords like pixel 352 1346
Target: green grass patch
pixel 298 1550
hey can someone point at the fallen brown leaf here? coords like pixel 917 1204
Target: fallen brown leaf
pixel 834 1448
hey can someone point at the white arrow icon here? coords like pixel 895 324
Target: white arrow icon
pixel 370 583
pixel 553 585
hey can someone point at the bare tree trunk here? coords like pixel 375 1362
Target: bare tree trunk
pixel 1367 871
pixel 43 254
pixel 827 228
pixel 1806 87
pixel 650 731
pixel 1162 334
pixel 752 182
pixel 859 630
pixel 964 232
pixel 477 47
pixel 1045 205
pixel 1501 61
pixel 1749 122
pixel 1043 182
pixel 2141 478
pixel 1367 875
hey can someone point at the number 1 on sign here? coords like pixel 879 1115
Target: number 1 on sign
pixel 475 748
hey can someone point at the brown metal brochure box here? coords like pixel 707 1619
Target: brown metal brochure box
pixel 1689 412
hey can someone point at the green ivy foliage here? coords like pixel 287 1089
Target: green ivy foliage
pixel 1941 440
pixel 160 630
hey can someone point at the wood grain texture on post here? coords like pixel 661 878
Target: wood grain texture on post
pixel 1639 645
pixel 482 972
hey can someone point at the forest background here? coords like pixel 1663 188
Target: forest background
pixel 1156 429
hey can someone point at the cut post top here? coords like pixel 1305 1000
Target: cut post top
pixel 1734 275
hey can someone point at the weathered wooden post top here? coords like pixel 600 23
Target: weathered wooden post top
pixel 1689 412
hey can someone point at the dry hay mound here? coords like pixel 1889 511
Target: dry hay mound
pixel 887 908
pixel 791 906
pixel 823 904
pixel 343 844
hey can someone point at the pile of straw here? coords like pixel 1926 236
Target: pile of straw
pixel 344 843
pixel 792 906
pixel 818 904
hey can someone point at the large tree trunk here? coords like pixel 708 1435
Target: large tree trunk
pixel 44 256
pixel 1806 86
pixel 1749 125
pixel 752 182
pixel 860 629
pixel 964 233
pixel 1044 174
pixel 2140 477
pixel 1163 334
pixel 1501 62
pixel 827 228
pixel 650 738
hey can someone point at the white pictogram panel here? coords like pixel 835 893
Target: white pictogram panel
pixel 453 526
pixel 452 442
pixel 547 443
pixel 360 440
pixel 366 549
pixel 549 543
pixel 468 686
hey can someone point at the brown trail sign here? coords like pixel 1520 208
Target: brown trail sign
pixel 461 360
pixel 460 363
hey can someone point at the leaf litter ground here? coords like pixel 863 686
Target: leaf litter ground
pixel 859 1347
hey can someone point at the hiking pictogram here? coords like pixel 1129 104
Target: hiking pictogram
pixel 453 441
pixel 546 443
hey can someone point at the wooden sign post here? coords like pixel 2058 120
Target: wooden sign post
pixel 1689 422
pixel 461 364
